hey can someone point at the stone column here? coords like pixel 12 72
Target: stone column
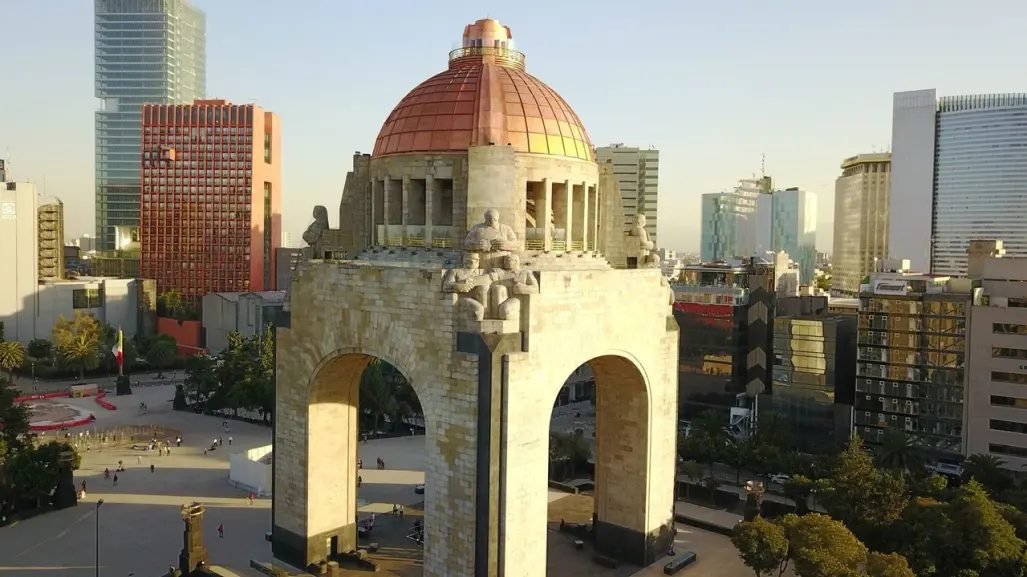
pixel 429 194
pixel 569 227
pixel 371 211
pixel 386 189
pixel 547 214
pixel 406 209
pixel 584 217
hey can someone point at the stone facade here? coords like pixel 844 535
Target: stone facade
pixel 486 342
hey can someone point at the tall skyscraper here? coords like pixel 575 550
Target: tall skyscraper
pixel 147 51
pixel 794 228
pixel 860 220
pixel 637 171
pixel 736 224
pixel 211 201
pixel 959 164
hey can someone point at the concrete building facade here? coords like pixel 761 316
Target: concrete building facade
pixel 637 171
pixel 487 347
pixel 19 235
pixel 958 168
pixel 861 220
pixel 245 313
pixel 146 51
pixel 211 212
pixel 794 228
pixel 51 237
pixel 996 396
pixel 911 351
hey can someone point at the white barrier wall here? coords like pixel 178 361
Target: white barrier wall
pixel 246 472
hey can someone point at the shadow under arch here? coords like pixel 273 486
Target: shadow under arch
pixel 332 440
pixel 623 459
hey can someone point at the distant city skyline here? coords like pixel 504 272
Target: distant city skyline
pixel 807 115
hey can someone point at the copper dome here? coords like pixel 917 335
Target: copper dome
pixel 485 97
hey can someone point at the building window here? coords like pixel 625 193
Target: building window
pixel 1008 329
pixel 1001 377
pixel 267 147
pixel 1011 451
pixel 1009 426
pixel 87 298
pixel 1018 302
pixel 1008 353
pixel 1000 401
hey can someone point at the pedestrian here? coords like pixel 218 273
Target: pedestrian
pixel 221 440
pixel 178 441
pixel 221 531
pixel 115 479
pixel 395 510
pixel 251 498
pixel 151 467
pixel 205 451
pixel 401 507
pixel 229 441
pixel 139 459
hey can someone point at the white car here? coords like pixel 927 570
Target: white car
pixel 780 478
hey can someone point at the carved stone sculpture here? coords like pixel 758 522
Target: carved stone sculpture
pixel 314 235
pixel 471 283
pixel 646 256
pixel 509 285
pixel 491 235
pixel 193 554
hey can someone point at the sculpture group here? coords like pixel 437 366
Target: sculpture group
pixel 491 282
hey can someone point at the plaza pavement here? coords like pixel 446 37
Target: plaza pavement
pixel 140 531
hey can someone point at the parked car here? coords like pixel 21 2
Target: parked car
pixel 419 489
pixel 780 478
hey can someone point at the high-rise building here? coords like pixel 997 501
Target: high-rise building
pixel 996 396
pixel 19 235
pixel 794 228
pixel 911 357
pixel 958 168
pixel 735 224
pixel 51 238
pixel 860 220
pixel 211 202
pixel 637 171
pixel 286 239
pixel 147 51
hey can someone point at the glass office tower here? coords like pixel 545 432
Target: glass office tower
pixel 147 51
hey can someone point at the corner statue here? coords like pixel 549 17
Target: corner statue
pixel 643 245
pixel 314 235
pixel 491 235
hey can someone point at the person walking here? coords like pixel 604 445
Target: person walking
pixel 221 531
pixel 251 499
pixel 229 441
pixel 151 467
pixel 115 479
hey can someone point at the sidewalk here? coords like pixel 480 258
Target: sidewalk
pixel 716 518
pixel 142 379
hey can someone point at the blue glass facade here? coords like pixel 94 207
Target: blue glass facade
pixel 147 51
pixel 794 228
pixel 980 177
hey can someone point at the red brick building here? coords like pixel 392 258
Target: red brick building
pixel 210 214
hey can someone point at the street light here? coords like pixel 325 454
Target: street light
pixel 98 503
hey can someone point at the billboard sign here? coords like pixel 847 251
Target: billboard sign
pixel 890 287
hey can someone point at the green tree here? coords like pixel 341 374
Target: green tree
pixel 900 451
pixel 982 540
pixel 739 453
pixel 989 471
pixel 571 449
pixel 859 495
pixel 820 546
pixel 15 419
pixel 774 431
pixel 171 303
pixel 12 356
pixel 376 396
pixel 40 349
pixel 799 488
pixel 78 341
pixel 162 352
pixel 708 438
pixel 201 379
pixel 890 565
pixel 763 547
pixel 692 472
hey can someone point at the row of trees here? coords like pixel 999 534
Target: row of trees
pixel 239 377
pixel 916 524
pixel 82 343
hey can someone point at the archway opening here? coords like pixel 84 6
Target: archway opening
pixel 600 466
pixel 366 487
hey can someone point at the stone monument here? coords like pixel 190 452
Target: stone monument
pixel 640 248
pixel 65 495
pixel 193 554
pixel 314 236
pixel 441 283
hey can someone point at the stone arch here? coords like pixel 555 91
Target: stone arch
pixel 624 449
pixel 343 361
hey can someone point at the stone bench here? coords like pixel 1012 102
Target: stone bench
pixel 682 560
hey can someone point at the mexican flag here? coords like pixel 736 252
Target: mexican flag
pixel 117 348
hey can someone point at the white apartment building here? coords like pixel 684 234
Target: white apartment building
pixel 959 173
pixel 19 259
pixel 637 171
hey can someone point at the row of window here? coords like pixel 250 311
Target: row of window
pixel 1008 450
pixel 1008 329
pixel 87 298
pixel 1009 426
pixel 1002 377
pixel 1008 353
pixel 1000 401
pixel 197 114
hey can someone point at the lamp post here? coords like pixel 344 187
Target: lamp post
pixel 98 503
